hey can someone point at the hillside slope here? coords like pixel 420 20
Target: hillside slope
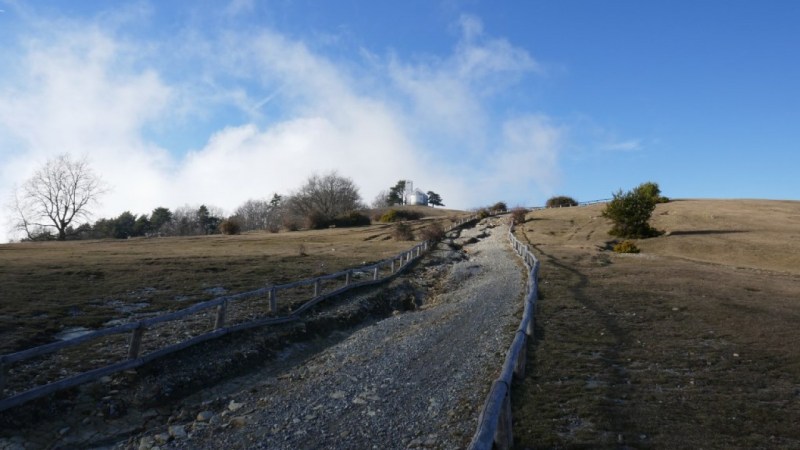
pixel 681 346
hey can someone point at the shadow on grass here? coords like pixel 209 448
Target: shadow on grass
pixel 618 387
pixel 705 232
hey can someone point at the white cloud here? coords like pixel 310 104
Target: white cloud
pixel 88 92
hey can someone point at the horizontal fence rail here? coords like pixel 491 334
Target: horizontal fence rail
pixel 219 309
pixel 494 424
pixel 580 204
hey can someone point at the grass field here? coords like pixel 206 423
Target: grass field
pixel 48 287
pixel 689 344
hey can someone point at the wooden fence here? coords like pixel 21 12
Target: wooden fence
pixel 494 423
pixel 220 308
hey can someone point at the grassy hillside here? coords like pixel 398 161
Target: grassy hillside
pixel 686 345
pixel 50 286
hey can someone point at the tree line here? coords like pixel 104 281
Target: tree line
pixel 56 203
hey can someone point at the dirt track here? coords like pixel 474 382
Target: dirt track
pixel 413 380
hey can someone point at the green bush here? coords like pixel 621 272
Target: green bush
pixel 561 201
pixel 518 215
pixel 630 213
pixel 626 247
pixel 483 213
pixel 402 232
pixel 650 189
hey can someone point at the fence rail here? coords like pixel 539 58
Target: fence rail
pixel 391 266
pixel 494 423
pixel 580 204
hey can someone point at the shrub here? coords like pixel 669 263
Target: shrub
pixel 389 216
pixel 561 201
pixel 315 220
pixel 230 226
pixel 483 213
pixel 351 219
pixel 499 207
pixel 394 215
pixel 433 232
pixel 626 247
pixel 291 223
pixel 518 215
pixel 402 232
pixel 630 212
pixel 650 189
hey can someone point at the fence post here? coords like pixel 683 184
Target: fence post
pixel 375 273
pixel 136 341
pixel 221 311
pixel 503 437
pixel 347 277
pixel 316 287
pixel 392 265
pixel 3 375
pixel 273 300
pixel 519 367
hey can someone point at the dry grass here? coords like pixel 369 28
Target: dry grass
pixel 50 286
pixel 686 345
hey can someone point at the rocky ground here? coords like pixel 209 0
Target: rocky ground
pixel 371 377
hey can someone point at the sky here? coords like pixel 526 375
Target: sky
pixel 212 102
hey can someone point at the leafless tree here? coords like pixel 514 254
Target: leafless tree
pixel 58 194
pixel 260 214
pixel 381 200
pixel 328 196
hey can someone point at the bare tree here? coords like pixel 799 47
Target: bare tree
pixel 327 196
pixel 381 200
pixel 58 194
pixel 260 214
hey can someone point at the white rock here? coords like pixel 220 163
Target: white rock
pixel 233 406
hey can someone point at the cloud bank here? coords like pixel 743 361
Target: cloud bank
pixel 221 118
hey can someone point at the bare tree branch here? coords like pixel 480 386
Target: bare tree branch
pixel 58 194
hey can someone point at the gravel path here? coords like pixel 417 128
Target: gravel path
pixel 416 379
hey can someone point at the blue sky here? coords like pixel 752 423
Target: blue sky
pixel 180 103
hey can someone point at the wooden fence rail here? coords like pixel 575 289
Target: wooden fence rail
pixel 494 424
pixel 396 264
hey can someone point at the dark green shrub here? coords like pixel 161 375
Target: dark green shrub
pixel 395 215
pixel 561 201
pixel 402 232
pixel 483 213
pixel 499 207
pixel 351 219
pixel 626 247
pixel 518 215
pixel 315 220
pixel 630 213
pixel 433 232
pixel 230 226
